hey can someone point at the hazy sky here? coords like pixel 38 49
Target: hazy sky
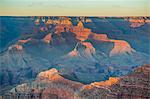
pixel 75 7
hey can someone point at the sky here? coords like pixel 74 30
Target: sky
pixel 74 7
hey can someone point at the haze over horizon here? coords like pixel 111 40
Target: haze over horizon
pixel 74 7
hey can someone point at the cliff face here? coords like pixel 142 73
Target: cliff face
pixel 82 34
pixel 121 47
pixel 51 84
pixel 86 51
pixel 79 30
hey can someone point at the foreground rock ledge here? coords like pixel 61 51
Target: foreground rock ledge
pixel 50 85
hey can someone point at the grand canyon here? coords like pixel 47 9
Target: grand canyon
pixel 65 57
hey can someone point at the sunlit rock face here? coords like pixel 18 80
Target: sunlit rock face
pixel 73 53
pixel 88 20
pixel 63 26
pixel 137 21
pixel 66 26
pixel 59 29
pixel 47 74
pixel 49 21
pixel 89 50
pixel 81 33
pixel 66 22
pixel 16 46
pixel 80 24
pixel 24 41
pixel 47 38
pixel 101 37
pixel 121 47
pixel 50 84
pixel 147 21
pixel 109 82
pixel 130 86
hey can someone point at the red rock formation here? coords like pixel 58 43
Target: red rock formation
pixel 88 20
pixel 101 37
pixel 136 21
pixel 80 24
pixel 63 25
pixel 73 53
pixel 51 74
pixel 59 29
pixel 121 47
pixel 47 38
pixel 49 21
pixel 147 21
pixel 66 22
pixel 110 82
pixel 66 26
pixel 133 86
pixel 16 46
pixel 89 47
pixel 58 87
pixel 81 32
pixel 24 41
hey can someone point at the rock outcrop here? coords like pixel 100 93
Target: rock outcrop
pixel 24 41
pixel 81 33
pixel 47 38
pixel 110 82
pixel 16 46
pixel 121 47
pixel 87 51
pixel 74 52
pixel 51 84
pixel 137 21
pixel 89 48
pixel 66 26
pixel 51 74
pixel 101 37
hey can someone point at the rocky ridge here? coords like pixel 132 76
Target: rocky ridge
pixel 51 84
